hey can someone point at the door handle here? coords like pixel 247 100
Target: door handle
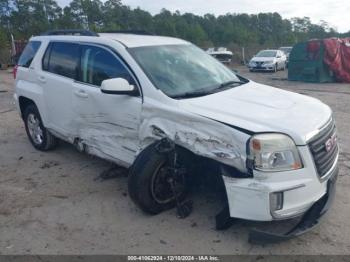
pixel 42 79
pixel 81 93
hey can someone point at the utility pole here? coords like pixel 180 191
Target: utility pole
pixel 243 55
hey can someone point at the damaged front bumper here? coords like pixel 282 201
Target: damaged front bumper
pixel 308 221
pixel 302 195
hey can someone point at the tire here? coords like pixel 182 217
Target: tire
pixel 141 182
pixel 38 135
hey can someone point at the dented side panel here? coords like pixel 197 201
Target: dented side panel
pixel 198 134
pixel 108 124
pixel 119 127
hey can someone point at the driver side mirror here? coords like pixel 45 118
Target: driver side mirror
pixel 118 86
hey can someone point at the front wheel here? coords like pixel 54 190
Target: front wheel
pixel 149 182
pixel 38 135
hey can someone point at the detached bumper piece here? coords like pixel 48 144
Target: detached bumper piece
pixel 309 220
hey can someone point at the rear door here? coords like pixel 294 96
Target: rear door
pixel 107 123
pixel 60 66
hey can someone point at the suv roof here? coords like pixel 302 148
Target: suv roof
pixel 127 39
pixel 134 40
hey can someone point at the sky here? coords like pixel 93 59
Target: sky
pixel 335 12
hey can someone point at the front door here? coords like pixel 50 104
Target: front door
pixel 108 124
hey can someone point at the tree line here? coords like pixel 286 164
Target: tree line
pixel 24 18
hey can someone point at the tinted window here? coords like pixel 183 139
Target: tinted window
pixel 63 59
pixel 97 64
pixel 28 53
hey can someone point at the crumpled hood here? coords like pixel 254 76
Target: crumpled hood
pixel 261 108
pixel 263 59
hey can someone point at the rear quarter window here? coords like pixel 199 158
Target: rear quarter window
pixel 28 53
pixel 62 59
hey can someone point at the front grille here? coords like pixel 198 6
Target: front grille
pixel 324 159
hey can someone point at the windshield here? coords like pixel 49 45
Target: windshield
pixel 266 53
pixel 180 70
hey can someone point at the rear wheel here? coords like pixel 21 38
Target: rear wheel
pixel 38 135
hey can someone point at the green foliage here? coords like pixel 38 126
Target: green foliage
pixel 25 18
pixel 3 39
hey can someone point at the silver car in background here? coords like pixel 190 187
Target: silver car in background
pixel 268 60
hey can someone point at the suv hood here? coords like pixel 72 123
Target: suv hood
pixel 261 108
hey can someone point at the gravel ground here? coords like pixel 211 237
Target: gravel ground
pixel 51 203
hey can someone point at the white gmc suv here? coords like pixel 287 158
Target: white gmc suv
pixel 157 105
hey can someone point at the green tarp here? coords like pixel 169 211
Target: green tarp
pixel 306 63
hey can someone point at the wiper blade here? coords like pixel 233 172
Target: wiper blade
pixel 208 92
pixel 226 85
pixel 192 94
pixel 230 83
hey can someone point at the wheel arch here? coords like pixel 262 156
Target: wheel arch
pixel 198 163
pixel 201 171
pixel 24 102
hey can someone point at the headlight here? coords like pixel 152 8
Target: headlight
pixel 270 63
pixel 252 63
pixel 273 152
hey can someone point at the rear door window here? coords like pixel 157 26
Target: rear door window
pixel 62 59
pixel 28 53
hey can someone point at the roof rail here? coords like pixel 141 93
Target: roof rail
pixel 80 32
pixel 135 32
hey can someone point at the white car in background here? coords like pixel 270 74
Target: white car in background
pixel 167 110
pixel 268 60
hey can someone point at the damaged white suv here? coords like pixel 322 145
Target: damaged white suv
pixel 157 105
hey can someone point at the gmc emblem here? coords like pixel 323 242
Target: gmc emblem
pixel 331 142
